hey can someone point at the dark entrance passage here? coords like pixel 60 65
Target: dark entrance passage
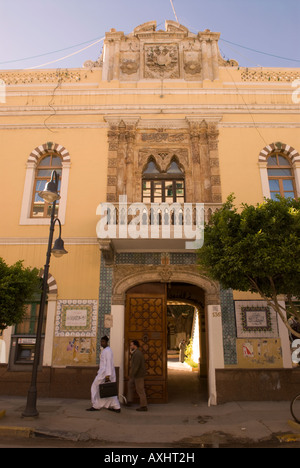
pixel 187 381
pixel 186 386
pixel 158 315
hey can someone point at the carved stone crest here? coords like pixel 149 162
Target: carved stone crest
pixel 161 61
pixel 192 67
pixel 129 66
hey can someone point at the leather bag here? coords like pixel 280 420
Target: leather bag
pixel 108 389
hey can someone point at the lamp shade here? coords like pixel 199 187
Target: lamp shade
pixel 58 248
pixel 50 193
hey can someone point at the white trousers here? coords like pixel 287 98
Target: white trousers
pixel 97 402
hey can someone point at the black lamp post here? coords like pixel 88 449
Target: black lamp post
pixel 50 195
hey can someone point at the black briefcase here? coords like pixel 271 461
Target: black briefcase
pixel 108 389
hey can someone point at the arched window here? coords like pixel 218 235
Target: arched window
pixel 280 175
pixel 47 157
pixel 50 162
pixel 165 186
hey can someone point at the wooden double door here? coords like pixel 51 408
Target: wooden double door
pixel 146 321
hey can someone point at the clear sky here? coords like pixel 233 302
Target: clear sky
pixel 43 31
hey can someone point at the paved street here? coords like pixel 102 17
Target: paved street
pixel 185 422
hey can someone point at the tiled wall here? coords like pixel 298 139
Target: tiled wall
pixel 105 292
pixel 229 327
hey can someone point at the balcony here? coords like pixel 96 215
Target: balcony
pixel 155 227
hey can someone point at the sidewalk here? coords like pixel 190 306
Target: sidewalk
pixel 186 421
pixel 169 425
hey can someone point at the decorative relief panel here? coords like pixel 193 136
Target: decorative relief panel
pixel 161 61
pixel 130 59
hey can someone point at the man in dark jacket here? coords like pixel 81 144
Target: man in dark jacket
pixel 136 375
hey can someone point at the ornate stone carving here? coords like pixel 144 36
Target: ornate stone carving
pixel 91 64
pixel 175 53
pixel 161 136
pixel 192 67
pixel 163 158
pixel 107 250
pixel 161 61
pixel 194 144
pixel 112 140
pixel 129 67
pixel 126 276
pixel 111 180
pixel 165 274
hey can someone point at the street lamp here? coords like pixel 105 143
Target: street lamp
pixel 50 195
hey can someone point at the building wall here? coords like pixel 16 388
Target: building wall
pixel 251 108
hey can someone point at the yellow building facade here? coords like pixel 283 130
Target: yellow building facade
pixel 160 118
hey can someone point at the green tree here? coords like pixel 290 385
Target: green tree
pixel 17 285
pixel 256 249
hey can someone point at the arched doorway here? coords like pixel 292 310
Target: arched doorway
pixel 151 309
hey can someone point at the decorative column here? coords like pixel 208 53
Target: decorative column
pixel 129 159
pixel 121 141
pixel 215 349
pixel 210 54
pixel 205 67
pixel 296 167
pixel 121 160
pixel 204 163
pixel 213 147
pixel 195 152
pixel 111 55
pixel 117 333
pixel 205 159
pixel 113 138
pixel 215 64
pixel 264 179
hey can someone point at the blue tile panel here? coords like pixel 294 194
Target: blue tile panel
pixel 229 326
pixel 155 258
pixel 105 293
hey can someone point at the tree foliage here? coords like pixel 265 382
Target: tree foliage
pixel 256 249
pixel 17 285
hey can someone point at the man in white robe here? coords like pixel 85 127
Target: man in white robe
pixel 106 373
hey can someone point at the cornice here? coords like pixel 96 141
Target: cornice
pixel 148 109
pixel 235 89
pixel 169 123
pixel 44 241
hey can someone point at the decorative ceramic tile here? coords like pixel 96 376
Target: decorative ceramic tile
pixel 156 258
pixel 229 327
pixel 138 258
pixel 183 258
pixel 104 309
pixel 76 318
pixel 255 319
